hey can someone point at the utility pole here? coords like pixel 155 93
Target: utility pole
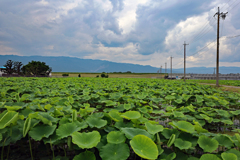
pixel 165 68
pixel 214 70
pixel 185 60
pixel 223 15
pixel 171 66
pixel 161 69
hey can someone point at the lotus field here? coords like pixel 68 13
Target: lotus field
pixel 117 119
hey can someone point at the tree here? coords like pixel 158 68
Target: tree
pixel 9 67
pixel 17 67
pixel 36 68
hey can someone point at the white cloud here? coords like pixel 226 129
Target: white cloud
pixel 127 16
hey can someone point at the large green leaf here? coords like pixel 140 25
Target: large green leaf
pixel 96 122
pixel 87 155
pixel 234 151
pixel 228 156
pixel 183 126
pixel 38 132
pixel 207 144
pixel 114 114
pixel 86 140
pixel 115 151
pixel 7 118
pixel 131 115
pixel 152 128
pixel 67 129
pixel 144 147
pixel 26 126
pixel 171 140
pixel 131 132
pixel 224 141
pixel 182 144
pixel 209 157
pixel 116 137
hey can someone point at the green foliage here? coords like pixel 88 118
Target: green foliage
pixel 111 118
pixel 65 74
pixel 144 147
pixel 36 68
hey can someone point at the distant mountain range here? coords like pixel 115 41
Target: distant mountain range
pixel 71 64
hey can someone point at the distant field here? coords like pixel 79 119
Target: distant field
pixel 112 75
pixel 221 82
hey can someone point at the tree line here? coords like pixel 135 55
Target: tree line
pixel 34 68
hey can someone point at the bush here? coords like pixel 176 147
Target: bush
pixel 106 76
pixel 103 75
pixel 65 74
pixel 97 76
pixel 79 75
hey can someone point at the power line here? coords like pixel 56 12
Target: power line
pixel 231 36
pixel 231 5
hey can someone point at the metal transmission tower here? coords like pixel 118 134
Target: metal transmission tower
pixel 171 66
pixel 185 60
pixel 223 16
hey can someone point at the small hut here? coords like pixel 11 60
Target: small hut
pixel 2 70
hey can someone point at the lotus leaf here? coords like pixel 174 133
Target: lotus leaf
pixel 13 108
pixel 237 112
pixel 121 124
pixel 234 151
pixel 87 155
pixel 86 140
pixel 67 129
pixel 227 121
pixel 178 114
pixel 170 156
pixel 116 137
pixel 167 133
pixel 229 156
pixel 6 118
pixel 170 108
pixel 206 118
pixel 144 147
pixel 115 151
pixel 183 126
pixel 131 115
pixel 209 157
pixel 224 141
pixel 114 114
pixel 96 122
pixel 188 137
pixel 153 129
pixel 127 106
pixel 170 97
pixel 182 144
pixel 38 132
pixel 26 126
pixel 74 115
pixel 171 140
pixel 222 113
pixel 207 144
pixel 131 132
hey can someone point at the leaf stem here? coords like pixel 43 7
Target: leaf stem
pixel 52 149
pixel 3 148
pixel 29 140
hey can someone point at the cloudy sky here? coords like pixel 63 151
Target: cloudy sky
pixel 145 32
